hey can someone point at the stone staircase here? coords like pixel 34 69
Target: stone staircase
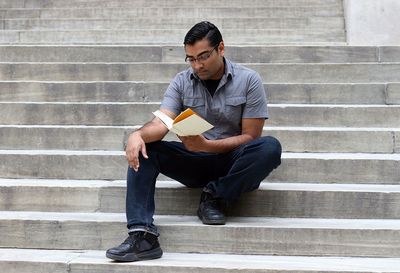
pixel 76 77
pixel 166 22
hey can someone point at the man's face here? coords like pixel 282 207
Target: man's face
pixel 206 61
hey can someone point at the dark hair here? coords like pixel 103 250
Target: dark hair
pixel 203 30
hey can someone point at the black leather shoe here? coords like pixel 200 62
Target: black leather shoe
pixel 138 246
pixel 210 212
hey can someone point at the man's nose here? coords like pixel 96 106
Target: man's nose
pixel 197 65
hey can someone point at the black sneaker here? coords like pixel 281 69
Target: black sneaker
pixel 210 212
pixel 140 245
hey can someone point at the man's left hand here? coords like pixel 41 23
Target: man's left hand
pixel 195 143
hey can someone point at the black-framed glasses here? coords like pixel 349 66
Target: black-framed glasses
pixel 202 58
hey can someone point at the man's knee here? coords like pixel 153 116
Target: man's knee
pixel 270 149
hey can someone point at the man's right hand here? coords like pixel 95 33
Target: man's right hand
pixel 134 146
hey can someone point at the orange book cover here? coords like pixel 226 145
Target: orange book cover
pixel 187 123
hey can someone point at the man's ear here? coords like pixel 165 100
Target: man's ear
pixel 221 48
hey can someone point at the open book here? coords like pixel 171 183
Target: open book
pixel 187 123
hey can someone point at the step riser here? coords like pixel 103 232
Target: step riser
pixel 94 114
pixel 147 92
pixel 333 93
pixel 7 37
pixel 114 139
pixel 155 36
pixel 184 201
pixel 295 54
pixel 270 73
pixel 350 142
pixel 87 53
pixel 134 114
pixel 67 267
pixel 393 94
pixel 29 267
pixel 278 241
pixel 92 261
pixel 114 167
pixel 242 54
pixel 337 171
pixel 64 138
pixel 83 92
pixel 160 12
pixel 339 116
pixel 162 3
pixel 162 23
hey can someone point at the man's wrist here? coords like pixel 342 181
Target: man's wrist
pixel 136 133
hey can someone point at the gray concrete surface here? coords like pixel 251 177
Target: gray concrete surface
pixel 354 201
pixel 94 261
pixel 296 167
pixel 161 72
pixel 293 139
pixel 346 165
pixel 158 53
pixel 295 236
pixel 374 22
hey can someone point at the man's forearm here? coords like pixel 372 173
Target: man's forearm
pixel 251 129
pixel 227 144
pixel 201 144
pixel 152 131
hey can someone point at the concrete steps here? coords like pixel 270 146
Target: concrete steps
pixel 163 3
pixel 122 114
pixel 63 261
pixel 77 76
pixel 270 22
pixel 138 91
pixel 111 165
pixel 150 72
pixel 158 53
pixel 303 200
pixel 242 235
pixel 168 23
pixel 289 11
pixel 293 139
pixel 161 36
pixel 95 22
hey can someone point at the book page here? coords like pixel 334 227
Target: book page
pixel 192 126
pixel 188 123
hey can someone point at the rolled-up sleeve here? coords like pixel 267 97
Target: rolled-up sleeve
pixel 172 100
pixel 256 104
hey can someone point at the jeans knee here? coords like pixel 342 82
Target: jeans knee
pixel 271 149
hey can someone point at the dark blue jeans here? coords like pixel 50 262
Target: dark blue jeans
pixel 227 175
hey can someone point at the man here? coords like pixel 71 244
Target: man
pixel 230 159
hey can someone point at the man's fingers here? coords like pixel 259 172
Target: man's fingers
pixel 135 164
pixel 134 148
pixel 133 157
pixel 144 152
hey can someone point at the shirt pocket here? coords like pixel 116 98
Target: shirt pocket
pixel 196 104
pixel 234 108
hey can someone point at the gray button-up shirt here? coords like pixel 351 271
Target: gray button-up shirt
pixel 240 94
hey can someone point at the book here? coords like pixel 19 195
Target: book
pixel 187 123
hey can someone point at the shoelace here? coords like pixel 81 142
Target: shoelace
pixel 213 203
pixel 132 239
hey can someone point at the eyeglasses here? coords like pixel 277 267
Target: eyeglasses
pixel 202 58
